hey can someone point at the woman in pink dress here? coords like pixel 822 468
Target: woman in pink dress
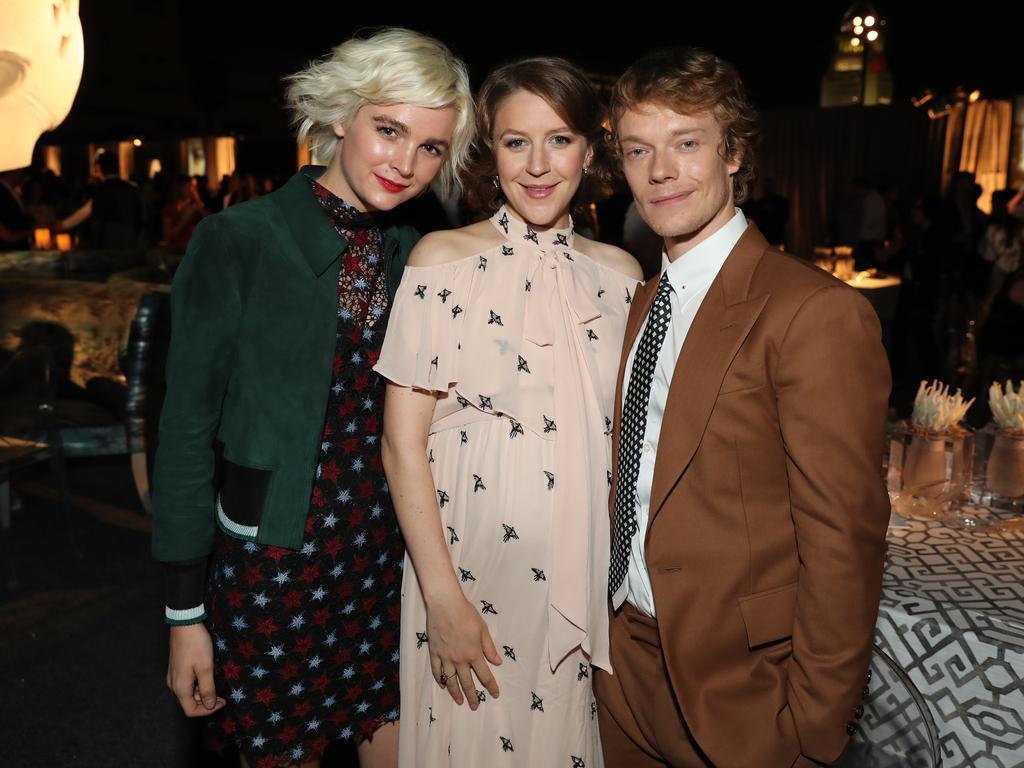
pixel 501 353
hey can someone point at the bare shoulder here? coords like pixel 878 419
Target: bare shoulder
pixel 609 256
pixel 450 245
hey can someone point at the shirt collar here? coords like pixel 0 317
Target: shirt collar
pixel 698 267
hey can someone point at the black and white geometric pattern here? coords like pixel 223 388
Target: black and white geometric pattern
pixel 952 616
pixel 634 425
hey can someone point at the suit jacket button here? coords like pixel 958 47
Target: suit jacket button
pixel 867 678
pixel 851 728
pixel 864 693
pixel 858 711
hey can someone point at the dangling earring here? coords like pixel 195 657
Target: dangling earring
pixel 497 184
pixel 586 170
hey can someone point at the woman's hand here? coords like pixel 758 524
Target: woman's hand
pixel 190 670
pixel 460 645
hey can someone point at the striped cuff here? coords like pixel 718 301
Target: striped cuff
pixel 246 532
pixel 176 617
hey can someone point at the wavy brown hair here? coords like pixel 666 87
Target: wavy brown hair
pixel 692 80
pixel 566 89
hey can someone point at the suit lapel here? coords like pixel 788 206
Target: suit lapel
pixel 721 325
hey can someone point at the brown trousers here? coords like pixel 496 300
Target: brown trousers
pixel 641 724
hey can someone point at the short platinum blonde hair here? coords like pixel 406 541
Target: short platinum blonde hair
pixel 389 66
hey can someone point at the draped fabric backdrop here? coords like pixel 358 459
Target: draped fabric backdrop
pixel 814 153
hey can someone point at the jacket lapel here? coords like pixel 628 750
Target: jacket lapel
pixel 722 323
pixel 317 241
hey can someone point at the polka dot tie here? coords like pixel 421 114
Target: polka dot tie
pixel 631 436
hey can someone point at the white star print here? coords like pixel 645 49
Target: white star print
pixel 277 651
pixel 237 695
pixel 282 577
pixel 259 672
pixel 297 621
pixel 318 593
pixel 297 689
pixel 239 623
pixel 330 521
pixel 331 639
pixel 275 717
pixel 315 662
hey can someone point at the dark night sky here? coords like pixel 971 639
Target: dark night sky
pixel 162 66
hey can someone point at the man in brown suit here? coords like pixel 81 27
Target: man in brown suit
pixel 748 510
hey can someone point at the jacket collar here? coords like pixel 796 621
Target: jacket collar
pixel 319 242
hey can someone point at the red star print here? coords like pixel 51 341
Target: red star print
pixel 265 695
pixel 228 725
pixel 266 627
pixel 345 589
pixel 370 424
pixel 230 670
pixel 246 649
pixel 292 600
pixel 309 525
pixel 366 490
pixel 356 517
pixel 343 657
pixel 329 471
pixel 288 734
pixel 321 617
pixel 253 574
pixel 276 553
pixel 368 603
pixel 339 716
pixel 318 497
pixel 371 666
pixel 347 407
pixel 246 721
pixel 302 709
pixel 234 598
pixel 289 671
pixel 354 692
pixel 350 445
pixel 373 356
pixel 388 699
pixel 361 564
pixel 333 546
pixel 320 744
pixel 352 629
pixel 321 683
pixel 361 383
pixel 310 573
pixel 267 761
pixel 303 645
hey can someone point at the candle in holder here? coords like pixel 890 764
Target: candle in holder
pixel 1004 474
pixel 41 238
pixel 938 454
pixel 64 241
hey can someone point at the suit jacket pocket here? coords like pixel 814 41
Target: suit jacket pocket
pixel 768 616
pixel 740 379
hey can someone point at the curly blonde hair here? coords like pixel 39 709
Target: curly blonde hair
pixel 387 66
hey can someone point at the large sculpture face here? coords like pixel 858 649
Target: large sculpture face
pixel 41 54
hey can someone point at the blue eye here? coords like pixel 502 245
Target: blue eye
pixel 689 144
pixel 515 143
pixel 562 139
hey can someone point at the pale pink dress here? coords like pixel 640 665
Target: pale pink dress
pixel 522 344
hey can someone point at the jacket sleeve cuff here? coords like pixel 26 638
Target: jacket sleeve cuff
pixel 184 590
pixel 177 618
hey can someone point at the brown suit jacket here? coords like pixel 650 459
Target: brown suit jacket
pixel 768 512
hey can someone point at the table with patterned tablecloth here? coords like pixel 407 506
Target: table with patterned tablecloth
pixel 952 615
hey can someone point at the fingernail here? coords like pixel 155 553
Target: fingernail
pixel 209 703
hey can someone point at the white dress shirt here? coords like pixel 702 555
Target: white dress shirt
pixel 690 277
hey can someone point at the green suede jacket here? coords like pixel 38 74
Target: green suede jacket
pixel 253 309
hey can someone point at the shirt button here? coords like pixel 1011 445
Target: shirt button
pixel 647 447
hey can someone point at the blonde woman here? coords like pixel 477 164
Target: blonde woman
pixel 283 578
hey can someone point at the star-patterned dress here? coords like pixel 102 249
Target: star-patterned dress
pixel 306 642
pixel 521 345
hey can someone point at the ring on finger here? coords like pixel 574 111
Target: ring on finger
pixel 443 679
